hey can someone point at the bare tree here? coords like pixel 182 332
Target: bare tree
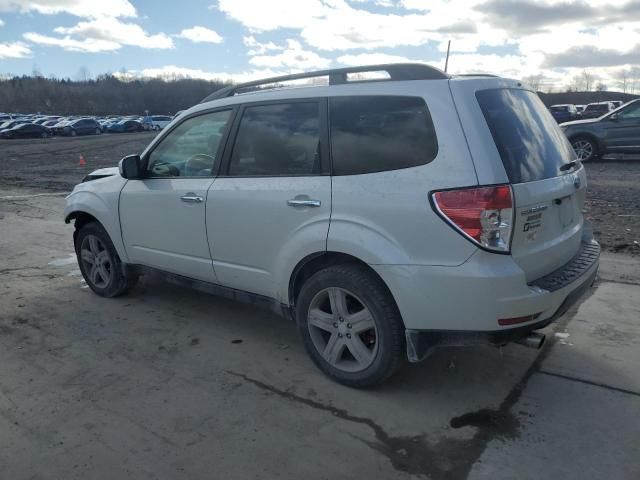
pixel 83 74
pixel 601 87
pixel 623 80
pixel 534 81
pixel 587 79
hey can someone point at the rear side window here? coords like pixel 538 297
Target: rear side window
pixel 278 140
pixel 377 133
pixel 531 145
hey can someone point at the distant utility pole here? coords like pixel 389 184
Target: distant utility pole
pixel 446 62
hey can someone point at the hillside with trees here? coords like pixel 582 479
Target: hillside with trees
pixel 584 98
pixel 109 95
pixel 103 96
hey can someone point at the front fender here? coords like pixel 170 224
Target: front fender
pixel 104 208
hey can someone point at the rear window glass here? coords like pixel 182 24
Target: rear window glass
pixel 598 108
pixel 531 145
pixel 377 133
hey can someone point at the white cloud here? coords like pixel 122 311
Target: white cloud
pixel 173 72
pixel 86 45
pixel 293 57
pixel 113 30
pixel 200 35
pixel 258 48
pixel 271 15
pixel 337 25
pixel 14 50
pixel 1 22
pixel 371 59
pixel 515 66
pixel 78 8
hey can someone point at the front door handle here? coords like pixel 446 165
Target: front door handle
pixel 303 203
pixel 192 198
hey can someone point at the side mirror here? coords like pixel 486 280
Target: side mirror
pixel 614 117
pixel 130 167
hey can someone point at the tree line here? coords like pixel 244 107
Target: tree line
pixel 109 95
pixel 105 95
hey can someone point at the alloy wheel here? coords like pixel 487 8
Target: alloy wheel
pixel 96 261
pixel 583 149
pixel 342 329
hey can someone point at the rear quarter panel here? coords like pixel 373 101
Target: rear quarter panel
pixel 386 217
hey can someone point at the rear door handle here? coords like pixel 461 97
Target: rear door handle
pixel 192 198
pixel 303 203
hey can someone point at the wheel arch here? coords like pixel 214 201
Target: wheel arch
pixel 315 262
pixel 85 206
pixel 591 136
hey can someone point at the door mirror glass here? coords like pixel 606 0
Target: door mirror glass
pixel 130 167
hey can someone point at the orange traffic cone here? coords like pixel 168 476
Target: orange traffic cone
pixel 82 161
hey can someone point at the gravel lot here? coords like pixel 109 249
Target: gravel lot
pixel 168 383
pixel 53 165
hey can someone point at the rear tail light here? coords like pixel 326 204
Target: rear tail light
pixel 483 214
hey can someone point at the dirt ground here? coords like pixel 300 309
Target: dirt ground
pixel 613 203
pixel 169 383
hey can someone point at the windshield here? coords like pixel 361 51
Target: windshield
pixel 531 145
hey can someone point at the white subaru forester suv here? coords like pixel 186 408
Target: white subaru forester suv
pixel 385 217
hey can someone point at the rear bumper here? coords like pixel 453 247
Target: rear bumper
pixel 421 342
pixel 461 305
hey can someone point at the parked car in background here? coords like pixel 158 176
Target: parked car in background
pixel 26 130
pixel 83 126
pixel 580 109
pixel 125 126
pixel 563 113
pixel 384 218
pixel 158 122
pixel 616 132
pixel 10 124
pixel 617 103
pixel 595 110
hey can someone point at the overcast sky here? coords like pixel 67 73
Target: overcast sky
pixel 242 39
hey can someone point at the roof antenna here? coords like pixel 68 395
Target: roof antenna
pixel 446 62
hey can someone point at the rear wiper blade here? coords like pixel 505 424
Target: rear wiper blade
pixel 568 166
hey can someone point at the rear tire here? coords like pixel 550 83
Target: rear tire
pixel 350 325
pixel 585 147
pixel 99 262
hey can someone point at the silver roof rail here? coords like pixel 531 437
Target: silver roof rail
pixel 338 76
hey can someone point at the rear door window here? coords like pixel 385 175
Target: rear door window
pixel 278 140
pixel 530 143
pixel 377 133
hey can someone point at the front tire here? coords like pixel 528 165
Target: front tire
pixel 99 262
pixel 585 147
pixel 350 325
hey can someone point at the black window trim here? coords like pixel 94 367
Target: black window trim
pixel 426 106
pixel 222 147
pixel 324 137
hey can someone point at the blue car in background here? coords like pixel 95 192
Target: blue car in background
pixel 124 126
pixel 564 113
